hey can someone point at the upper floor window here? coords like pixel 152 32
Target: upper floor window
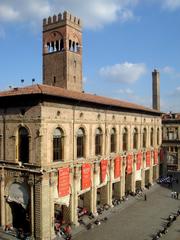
pixel 125 139
pixel 58 145
pixel 172 133
pixel 23 145
pixel 151 137
pixel 135 138
pixel 80 142
pixel 144 137
pixel 113 140
pixel 98 142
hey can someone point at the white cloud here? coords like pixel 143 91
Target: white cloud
pixel 94 13
pixel 168 70
pixel 20 10
pixel 171 4
pixel 124 72
pixel 126 91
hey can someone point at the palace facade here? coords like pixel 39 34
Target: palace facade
pixel 61 148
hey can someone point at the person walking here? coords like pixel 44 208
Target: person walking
pixel 177 195
pixel 145 197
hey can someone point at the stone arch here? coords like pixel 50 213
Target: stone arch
pixel 18 203
pixel 83 127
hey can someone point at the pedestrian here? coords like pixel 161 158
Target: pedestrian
pixel 172 194
pixel 145 197
pixel 177 195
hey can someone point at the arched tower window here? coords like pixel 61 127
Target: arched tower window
pixel 158 136
pixel 125 139
pixel 144 138
pixel 58 145
pixel 23 145
pixel 151 137
pixel 80 143
pixel 135 138
pixel 98 142
pixel 113 140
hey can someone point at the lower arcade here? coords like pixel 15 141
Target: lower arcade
pixel 40 202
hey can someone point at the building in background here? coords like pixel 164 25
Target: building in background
pixel 62 149
pixel 171 142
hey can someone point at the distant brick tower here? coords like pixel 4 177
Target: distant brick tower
pixel 62 52
pixel 156 90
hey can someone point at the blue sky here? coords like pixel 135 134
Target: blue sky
pixel 123 41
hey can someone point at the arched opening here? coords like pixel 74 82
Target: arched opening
pixel 23 145
pixel 19 202
pixel 58 145
pixel 158 136
pixel 144 138
pixel 135 138
pixel 80 143
pixel 125 139
pixel 113 140
pixel 151 137
pixel 98 142
pixel 61 45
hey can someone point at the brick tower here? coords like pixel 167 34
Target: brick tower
pixel 62 52
pixel 156 90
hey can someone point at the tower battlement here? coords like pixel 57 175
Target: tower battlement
pixel 62 18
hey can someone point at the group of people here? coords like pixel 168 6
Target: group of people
pixel 63 231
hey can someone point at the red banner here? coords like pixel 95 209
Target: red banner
pixel 86 175
pixel 148 159
pixel 104 164
pixel 139 161
pixel 155 156
pixel 161 155
pixel 63 182
pixel 129 162
pixel 117 167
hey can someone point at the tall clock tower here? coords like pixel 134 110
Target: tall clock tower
pixel 62 52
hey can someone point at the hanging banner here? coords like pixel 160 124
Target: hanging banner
pixel 117 167
pixel 148 159
pixel 63 182
pixel 104 164
pixel 139 161
pixel 129 162
pixel 86 176
pixel 161 155
pixel 155 156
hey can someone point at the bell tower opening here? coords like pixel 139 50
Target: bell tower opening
pixel 62 52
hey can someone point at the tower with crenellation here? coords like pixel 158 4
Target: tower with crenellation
pixel 62 52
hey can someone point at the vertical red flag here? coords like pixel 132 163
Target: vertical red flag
pixel 156 156
pixel 148 159
pixel 129 162
pixel 86 175
pixel 63 181
pixel 161 155
pixel 139 161
pixel 117 167
pixel 104 164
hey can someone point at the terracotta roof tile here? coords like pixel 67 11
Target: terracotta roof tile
pixel 85 97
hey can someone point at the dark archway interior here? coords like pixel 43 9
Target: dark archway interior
pixel 20 217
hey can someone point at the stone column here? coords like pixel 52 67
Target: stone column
pixel 95 173
pixel 31 183
pixel 123 174
pixel 143 171
pixel 2 199
pixel 74 197
pixel 151 170
pixel 133 182
pixel 110 182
